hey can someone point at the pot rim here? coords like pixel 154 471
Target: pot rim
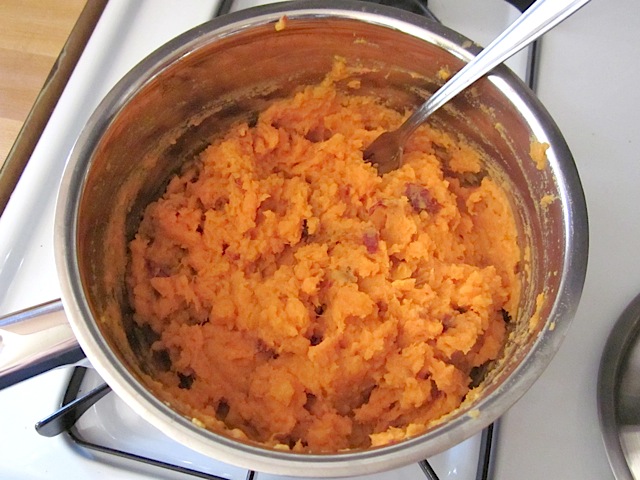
pixel 463 423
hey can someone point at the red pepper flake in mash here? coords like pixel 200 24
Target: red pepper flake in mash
pixel 421 199
pixel 370 240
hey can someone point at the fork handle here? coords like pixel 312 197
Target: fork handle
pixel 538 19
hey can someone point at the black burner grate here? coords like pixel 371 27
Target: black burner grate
pixel 73 393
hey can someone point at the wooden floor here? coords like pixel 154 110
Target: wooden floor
pixel 33 33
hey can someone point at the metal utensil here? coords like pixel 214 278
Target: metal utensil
pixel 386 151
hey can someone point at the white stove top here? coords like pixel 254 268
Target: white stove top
pixel 587 81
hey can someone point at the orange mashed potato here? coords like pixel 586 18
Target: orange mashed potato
pixel 304 302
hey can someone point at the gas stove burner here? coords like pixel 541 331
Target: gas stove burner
pixel 619 394
pixel 113 434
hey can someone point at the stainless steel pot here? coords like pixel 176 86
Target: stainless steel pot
pixel 170 105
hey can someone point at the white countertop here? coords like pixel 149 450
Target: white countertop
pixel 588 82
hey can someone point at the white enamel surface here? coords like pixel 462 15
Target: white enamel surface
pixel 588 82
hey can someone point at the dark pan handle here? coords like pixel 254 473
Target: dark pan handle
pixel 521 5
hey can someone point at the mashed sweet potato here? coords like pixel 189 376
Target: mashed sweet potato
pixel 302 301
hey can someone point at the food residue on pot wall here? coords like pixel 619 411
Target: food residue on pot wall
pixel 281 24
pixel 444 73
pixel 547 200
pixel 538 153
pixel 535 318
